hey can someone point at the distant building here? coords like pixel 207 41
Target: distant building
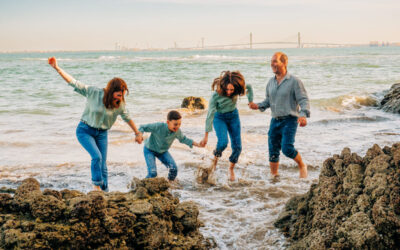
pixel 374 44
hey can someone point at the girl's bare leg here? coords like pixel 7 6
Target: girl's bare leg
pixel 231 172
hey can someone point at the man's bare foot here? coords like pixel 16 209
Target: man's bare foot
pixel 303 170
pixel 302 166
pixel 96 188
pixel 276 178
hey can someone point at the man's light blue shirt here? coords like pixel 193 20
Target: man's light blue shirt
pixel 287 98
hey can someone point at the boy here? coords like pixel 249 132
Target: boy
pixel 160 140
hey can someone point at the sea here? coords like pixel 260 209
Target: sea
pixel 39 114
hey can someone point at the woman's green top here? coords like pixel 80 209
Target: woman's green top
pixel 96 115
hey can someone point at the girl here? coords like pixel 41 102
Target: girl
pixel 222 112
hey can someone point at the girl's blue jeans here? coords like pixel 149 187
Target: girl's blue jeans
pixel 281 136
pixel 165 158
pixel 224 124
pixel 95 142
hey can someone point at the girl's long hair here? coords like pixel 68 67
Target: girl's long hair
pixel 235 78
pixel 114 85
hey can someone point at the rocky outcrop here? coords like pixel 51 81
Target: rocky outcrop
pixel 391 101
pixel 193 102
pixel 355 205
pixel 148 217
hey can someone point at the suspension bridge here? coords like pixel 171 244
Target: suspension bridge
pixel 295 40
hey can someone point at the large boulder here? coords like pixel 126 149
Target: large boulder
pixel 355 205
pixel 391 101
pixel 153 219
pixel 193 102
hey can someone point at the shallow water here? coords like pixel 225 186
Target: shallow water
pixel 39 114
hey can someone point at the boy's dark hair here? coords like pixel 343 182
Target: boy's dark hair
pixel 173 115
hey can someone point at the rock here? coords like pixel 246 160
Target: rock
pixel 148 217
pixel 193 102
pixel 47 207
pixel 355 205
pixel 54 193
pixel 152 185
pixel 186 214
pixel 391 101
pixel 7 190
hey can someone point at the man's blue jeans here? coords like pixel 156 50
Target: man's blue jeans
pixel 224 124
pixel 95 142
pixel 281 136
pixel 165 158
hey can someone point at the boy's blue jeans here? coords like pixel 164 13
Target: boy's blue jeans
pixel 165 158
pixel 281 136
pixel 224 124
pixel 95 142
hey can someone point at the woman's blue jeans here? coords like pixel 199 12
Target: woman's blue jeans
pixel 224 124
pixel 95 142
pixel 281 136
pixel 165 158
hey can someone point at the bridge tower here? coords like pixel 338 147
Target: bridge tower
pixel 298 40
pixel 251 40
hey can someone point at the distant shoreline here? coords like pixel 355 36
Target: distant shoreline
pixel 184 49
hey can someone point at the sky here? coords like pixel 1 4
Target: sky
pixel 48 25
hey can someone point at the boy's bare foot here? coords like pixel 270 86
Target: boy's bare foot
pixel 303 170
pixel 96 188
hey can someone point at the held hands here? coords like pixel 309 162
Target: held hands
pixel 198 144
pixel 203 142
pixel 139 138
pixel 302 121
pixel 53 62
pixel 252 105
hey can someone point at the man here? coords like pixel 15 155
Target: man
pixel 285 94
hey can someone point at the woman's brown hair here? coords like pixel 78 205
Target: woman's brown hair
pixel 235 78
pixel 114 85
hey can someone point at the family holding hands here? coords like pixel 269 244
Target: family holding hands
pixel 285 96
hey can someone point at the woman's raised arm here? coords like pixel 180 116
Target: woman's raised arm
pixel 63 74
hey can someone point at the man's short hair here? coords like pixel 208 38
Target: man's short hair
pixel 173 115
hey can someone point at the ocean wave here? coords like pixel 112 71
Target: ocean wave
pixel 357 119
pixel 108 58
pixel 338 104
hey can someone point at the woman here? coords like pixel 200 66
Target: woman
pixel 222 112
pixel 102 108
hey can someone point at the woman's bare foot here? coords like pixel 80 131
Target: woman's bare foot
pixel 96 188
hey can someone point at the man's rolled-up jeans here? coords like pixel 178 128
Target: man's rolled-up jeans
pixel 281 136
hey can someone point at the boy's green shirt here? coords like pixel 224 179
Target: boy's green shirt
pixel 161 137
